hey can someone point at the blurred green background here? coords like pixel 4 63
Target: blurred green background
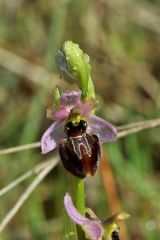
pixel 122 38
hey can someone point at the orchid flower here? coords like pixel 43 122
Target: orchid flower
pixel 73 118
pixel 94 227
pixel 69 100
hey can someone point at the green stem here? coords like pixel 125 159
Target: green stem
pixel 80 195
pixel 80 203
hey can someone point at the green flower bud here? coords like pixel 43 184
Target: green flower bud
pixel 74 67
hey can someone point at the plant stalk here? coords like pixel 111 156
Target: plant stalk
pixel 79 194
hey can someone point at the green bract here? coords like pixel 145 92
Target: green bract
pixel 56 96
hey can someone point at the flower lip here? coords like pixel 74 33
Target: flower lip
pixel 115 235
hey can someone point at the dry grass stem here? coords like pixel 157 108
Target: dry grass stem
pixel 138 12
pixel 26 68
pixel 137 124
pixel 26 175
pixel 19 148
pixel 27 193
pixel 146 125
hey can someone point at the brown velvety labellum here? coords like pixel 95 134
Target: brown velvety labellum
pixel 79 151
pixel 115 235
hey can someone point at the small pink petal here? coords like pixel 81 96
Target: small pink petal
pixel 70 98
pixel 52 136
pixel 105 130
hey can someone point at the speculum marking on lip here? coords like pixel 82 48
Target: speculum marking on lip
pixel 79 141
